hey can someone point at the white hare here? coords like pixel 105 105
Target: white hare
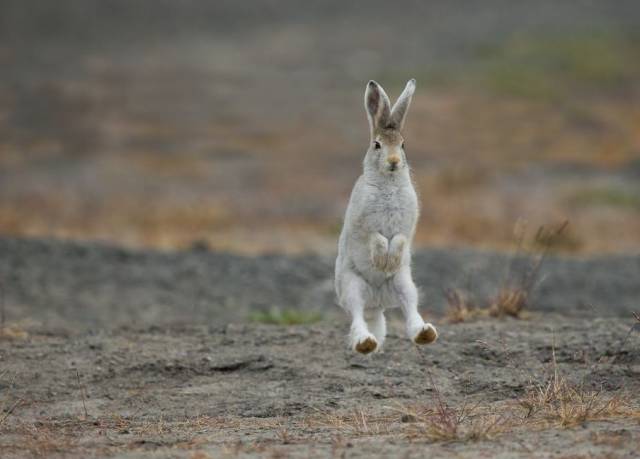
pixel 373 268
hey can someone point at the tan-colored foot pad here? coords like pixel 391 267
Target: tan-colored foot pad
pixel 426 336
pixel 366 346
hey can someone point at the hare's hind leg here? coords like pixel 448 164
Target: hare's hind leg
pixel 407 295
pixel 353 300
pixel 379 326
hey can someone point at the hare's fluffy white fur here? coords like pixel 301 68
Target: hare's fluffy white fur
pixel 373 268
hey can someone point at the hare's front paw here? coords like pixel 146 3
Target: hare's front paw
pixel 379 246
pixel 396 252
pixel 425 335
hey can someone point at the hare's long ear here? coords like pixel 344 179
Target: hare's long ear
pixel 399 110
pixel 378 107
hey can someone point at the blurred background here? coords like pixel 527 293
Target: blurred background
pixel 240 125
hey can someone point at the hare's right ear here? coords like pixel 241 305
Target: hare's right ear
pixel 378 107
pixel 399 110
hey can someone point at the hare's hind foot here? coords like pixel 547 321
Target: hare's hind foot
pixel 425 335
pixel 367 345
pixel 363 342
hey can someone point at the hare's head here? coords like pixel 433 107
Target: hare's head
pixel 386 149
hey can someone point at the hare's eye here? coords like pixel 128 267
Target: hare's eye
pixel 376 145
pixel 403 145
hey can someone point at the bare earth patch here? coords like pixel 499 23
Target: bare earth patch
pixel 494 388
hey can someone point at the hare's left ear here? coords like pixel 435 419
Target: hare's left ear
pixel 399 110
pixel 378 107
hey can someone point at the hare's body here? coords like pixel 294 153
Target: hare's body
pixel 373 268
pixel 385 209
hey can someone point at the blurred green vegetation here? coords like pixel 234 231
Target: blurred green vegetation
pixel 603 196
pixel 544 67
pixel 277 316
pixel 547 67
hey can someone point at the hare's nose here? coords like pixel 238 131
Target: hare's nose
pixel 393 160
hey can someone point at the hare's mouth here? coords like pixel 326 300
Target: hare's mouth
pixel 393 167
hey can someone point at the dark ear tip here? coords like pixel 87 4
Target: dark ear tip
pixel 372 84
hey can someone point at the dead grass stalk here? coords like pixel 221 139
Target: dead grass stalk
pixel 83 394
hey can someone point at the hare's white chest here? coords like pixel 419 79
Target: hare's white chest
pixel 392 210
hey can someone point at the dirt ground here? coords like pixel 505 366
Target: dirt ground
pixel 272 391
pixel 176 383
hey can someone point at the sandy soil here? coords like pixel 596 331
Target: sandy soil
pixel 177 383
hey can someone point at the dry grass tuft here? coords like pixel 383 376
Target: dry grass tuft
pixel 357 423
pixel 514 296
pixel 461 307
pixel 468 422
pixel 559 402
pixel 46 439
pixel 443 423
pixel 13 332
pixel 510 302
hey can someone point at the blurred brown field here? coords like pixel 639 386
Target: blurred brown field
pixel 249 139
